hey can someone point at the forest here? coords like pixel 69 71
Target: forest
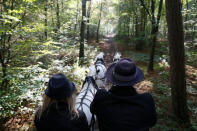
pixel 39 38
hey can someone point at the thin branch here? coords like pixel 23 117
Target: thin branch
pixel 142 3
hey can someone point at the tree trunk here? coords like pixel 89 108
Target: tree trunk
pixel 141 31
pixel 177 61
pixel 5 81
pixel 99 23
pixel 52 18
pixel 62 3
pixel 82 34
pixel 77 14
pixel 186 17
pixel 45 20
pixel 128 28
pixel 155 28
pixel 5 49
pixel 58 15
pixel 88 20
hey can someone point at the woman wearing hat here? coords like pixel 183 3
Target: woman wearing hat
pixel 58 109
pixel 122 108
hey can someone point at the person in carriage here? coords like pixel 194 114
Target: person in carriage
pixel 58 109
pixel 122 108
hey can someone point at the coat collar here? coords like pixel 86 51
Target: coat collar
pixel 123 91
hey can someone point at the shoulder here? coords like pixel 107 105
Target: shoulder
pixel 101 93
pixel 81 115
pixel 147 98
pixel 80 122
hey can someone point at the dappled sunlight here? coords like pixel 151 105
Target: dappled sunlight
pixel 191 78
pixel 144 86
pixel 191 73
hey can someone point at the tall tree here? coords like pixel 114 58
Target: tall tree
pixel 45 20
pixel 82 33
pixel 155 28
pixel 140 29
pixel 99 23
pixel 177 60
pixel 88 19
pixel 76 17
pixel 8 36
pixel 58 14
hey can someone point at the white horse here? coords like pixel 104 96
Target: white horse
pixel 93 81
pixel 116 57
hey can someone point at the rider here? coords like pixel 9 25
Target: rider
pixel 58 109
pixel 122 108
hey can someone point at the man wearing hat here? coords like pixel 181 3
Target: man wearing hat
pixel 122 108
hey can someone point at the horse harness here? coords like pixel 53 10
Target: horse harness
pixel 90 80
pixel 98 63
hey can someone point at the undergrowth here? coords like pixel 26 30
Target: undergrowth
pixel 29 79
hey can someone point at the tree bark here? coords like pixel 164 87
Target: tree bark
pixel 45 20
pixel 52 17
pixel 155 28
pixel 177 61
pixel 99 23
pixel 58 15
pixel 62 3
pixel 5 49
pixel 88 20
pixel 77 14
pixel 141 30
pixel 82 34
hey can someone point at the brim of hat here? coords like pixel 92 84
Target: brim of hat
pixel 109 75
pixel 70 91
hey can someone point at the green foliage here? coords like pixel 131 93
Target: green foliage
pixel 27 83
pixel 191 54
pixel 143 57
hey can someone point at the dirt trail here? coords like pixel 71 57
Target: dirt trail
pixel 109 47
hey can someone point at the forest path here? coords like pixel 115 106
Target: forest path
pixel 109 47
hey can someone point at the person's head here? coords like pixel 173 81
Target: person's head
pixel 124 73
pixel 59 89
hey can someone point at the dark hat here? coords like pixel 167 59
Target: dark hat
pixel 59 87
pixel 124 73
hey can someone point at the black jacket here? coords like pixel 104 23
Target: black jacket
pixel 122 109
pixel 57 118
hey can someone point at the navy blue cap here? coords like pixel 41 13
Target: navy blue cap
pixel 59 87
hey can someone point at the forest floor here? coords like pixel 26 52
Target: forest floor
pixel 157 83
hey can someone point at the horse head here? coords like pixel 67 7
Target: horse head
pixel 97 71
pixel 116 57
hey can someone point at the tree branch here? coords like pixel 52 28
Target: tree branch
pixel 142 3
